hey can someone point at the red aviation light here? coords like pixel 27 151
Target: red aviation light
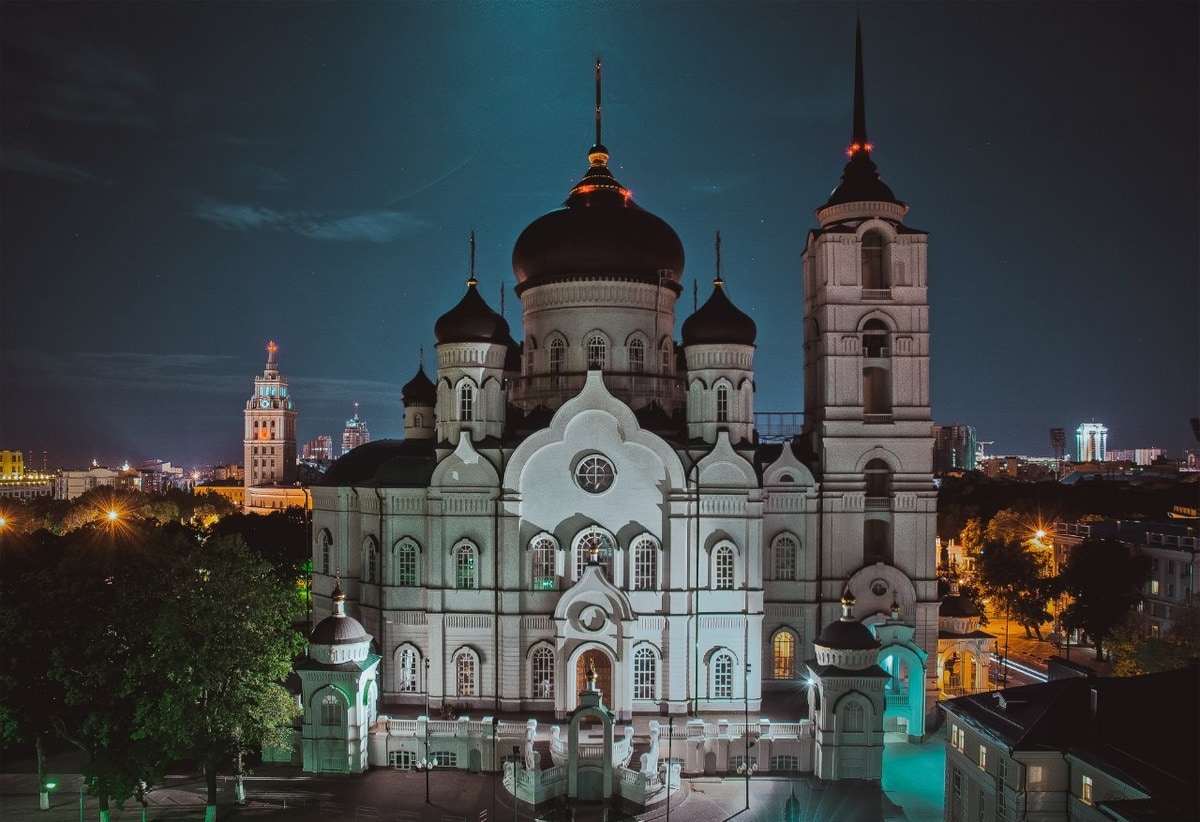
pixel 855 148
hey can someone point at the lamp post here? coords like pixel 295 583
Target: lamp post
pixel 670 764
pixel 425 764
pixel 516 779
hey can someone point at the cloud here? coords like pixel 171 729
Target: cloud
pixel 134 371
pixel 372 226
pixel 28 161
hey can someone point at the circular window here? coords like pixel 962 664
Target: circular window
pixel 595 474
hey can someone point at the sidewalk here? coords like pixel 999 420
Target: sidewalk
pixel 1037 653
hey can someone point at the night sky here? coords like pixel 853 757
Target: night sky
pixel 184 182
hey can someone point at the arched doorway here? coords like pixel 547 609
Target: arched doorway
pixel 603 673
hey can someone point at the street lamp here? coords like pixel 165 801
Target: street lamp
pixel 670 765
pixel 516 779
pixel 425 764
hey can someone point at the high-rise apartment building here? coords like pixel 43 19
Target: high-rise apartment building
pixel 319 450
pixel 954 448
pixel 355 433
pixel 1091 442
pixel 269 437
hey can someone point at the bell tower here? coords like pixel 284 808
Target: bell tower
pixel 269 437
pixel 866 393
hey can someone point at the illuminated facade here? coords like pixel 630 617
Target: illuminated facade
pixel 355 433
pixel 1091 442
pixel 598 494
pixel 269 433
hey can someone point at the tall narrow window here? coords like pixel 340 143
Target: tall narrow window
pixel 873 274
pixel 645 564
pixel 722 676
pixel 407 667
pixel 541 668
pixel 596 544
pixel 877 480
pixel 785 655
pixel 722 403
pixel 372 559
pixel 597 351
pixel 331 710
pixel 645 674
pixel 418 421
pixel 723 567
pixel 785 557
pixel 558 355
pixel 406 564
pixel 464 576
pixel 637 356
pixel 466 402
pixel 464 674
pixel 324 541
pixel 541 556
pixel 665 357
pixel 853 720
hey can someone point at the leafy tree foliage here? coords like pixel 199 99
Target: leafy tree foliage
pixel 1104 579
pixel 1012 576
pixel 1135 652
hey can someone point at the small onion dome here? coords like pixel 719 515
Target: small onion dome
pixel 847 633
pixel 719 321
pixel 954 604
pixel 599 230
pixel 471 321
pixel 420 390
pixel 338 628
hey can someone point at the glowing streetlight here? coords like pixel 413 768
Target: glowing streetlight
pixel 113 516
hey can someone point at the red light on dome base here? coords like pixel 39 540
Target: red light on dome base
pixel 855 148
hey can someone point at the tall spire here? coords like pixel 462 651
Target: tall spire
pixel 599 144
pixel 471 281
pixel 718 281
pixel 859 136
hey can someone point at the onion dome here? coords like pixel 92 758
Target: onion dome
pixel 954 604
pixel 420 390
pixel 719 321
pixel 338 628
pixel 599 230
pixel 860 178
pixel 847 633
pixel 471 321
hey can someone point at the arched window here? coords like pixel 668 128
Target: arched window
pixel 874 274
pixel 645 674
pixel 597 351
pixel 637 356
pixel 406 563
pixel 721 669
pixel 875 343
pixel 408 669
pixel 418 421
pixel 558 355
pixel 877 477
pixel 332 712
pixel 466 672
pixel 784 551
pixel 371 560
pixel 465 567
pixel 466 402
pixel 541 673
pixel 645 564
pixel 853 718
pixel 783 653
pixel 325 543
pixel 665 357
pixel 541 559
pixel 723 567
pixel 722 403
pixel 594 543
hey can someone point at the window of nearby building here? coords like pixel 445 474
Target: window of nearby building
pixel 401 760
pixel 541 557
pixel 957 737
pixel 665 357
pixel 594 541
pixel 1001 807
pixel 331 710
pixel 323 539
pixel 541 667
pixel 785 557
pixel 445 759
pixel 637 356
pixel 645 564
pixel 722 403
pixel 982 758
pixel 558 355
pixel 785 762
pixel 406 563
pixel 1085 789
pixel 465 673
pixel 372 560
pixel 466 402
pixel 722 675
pixel 784 653
pixel 407 669
pixel 464 576
pixel 1154 587
pixel 723 567
pixel 597 351
pixel 873 274
pixel 1002 770
pixel 645 674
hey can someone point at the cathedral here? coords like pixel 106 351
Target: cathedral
pixel 594 508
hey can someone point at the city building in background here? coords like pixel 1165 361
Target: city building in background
pixel 355 433
pixel 12 465
pixel 1091 442
pixel 269 437
pixel 319 451
pixel 159 476
pixel 1137 456
pixel 954 448
pixel 70 484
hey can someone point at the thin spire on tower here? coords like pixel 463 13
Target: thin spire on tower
pixel 471 281
pixel 858 138
pixel 598 102
pixel 718 281
pixel 421 360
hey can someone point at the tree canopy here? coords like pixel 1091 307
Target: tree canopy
pixel 1104 579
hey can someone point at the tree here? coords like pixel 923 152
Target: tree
pixel 222 644
pixel 1135 652
pixel 1010 574
pixel 1104 578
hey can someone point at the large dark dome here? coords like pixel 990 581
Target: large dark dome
pixel 471 321
pixel 847 635
pixel 719 321
pixel 599 231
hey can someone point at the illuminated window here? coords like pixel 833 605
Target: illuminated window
pixel 723 568
pixel 406 563
pixel 785 557
pixel 464 577
pixel 597 351
pixel 593 542
pixel 1085 789
pixel 541 668
pixel 982 758
pixel 1154 586
pixel 331 710
pixel 637 356
pixel 645 564
pixel 722 675
pixel 722 403
pixel 407 670
pixel 466 402
pixel 465 673
pixel 645 674
pixel 541 556
pixel 784 652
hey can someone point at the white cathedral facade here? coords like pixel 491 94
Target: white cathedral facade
pixel 597 495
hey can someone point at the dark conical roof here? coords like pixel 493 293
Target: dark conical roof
pixel 860 177
pixel 420 390
pixel 471 321
pixel 719 321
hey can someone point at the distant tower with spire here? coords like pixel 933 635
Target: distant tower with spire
pixel 269 434
pixel 355 433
